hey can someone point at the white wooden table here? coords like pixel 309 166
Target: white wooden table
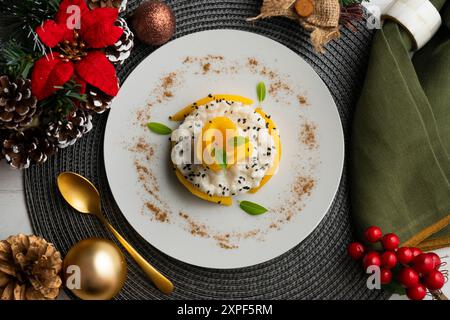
pixel 13 212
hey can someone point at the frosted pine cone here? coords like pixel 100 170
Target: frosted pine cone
pixel 97 101
pixel 119 4
pixel 22 148
pixel 65 132
pixel 18 105
pixel 121 50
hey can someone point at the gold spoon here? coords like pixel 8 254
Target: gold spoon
pixel 82 195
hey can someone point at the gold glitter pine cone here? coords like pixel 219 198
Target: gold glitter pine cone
pixel 18 105
pixel 29 269
pixel 97 101
pixel 119 4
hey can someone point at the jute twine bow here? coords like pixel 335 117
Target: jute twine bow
pixel 323 23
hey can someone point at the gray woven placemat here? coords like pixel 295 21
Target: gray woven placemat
pixel 318 268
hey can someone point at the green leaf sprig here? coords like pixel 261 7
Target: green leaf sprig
pixel 221 157
pixel 239 140
pixel 252 208
pixel 261 91
pixel 159 128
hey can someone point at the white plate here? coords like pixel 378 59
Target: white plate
pixel 254 239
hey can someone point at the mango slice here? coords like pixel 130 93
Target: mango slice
pixel 276 161
pixel 226 201
pixel 183 113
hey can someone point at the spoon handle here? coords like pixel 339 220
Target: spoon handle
pixel 160 281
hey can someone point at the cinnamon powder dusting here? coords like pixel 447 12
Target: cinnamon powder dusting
pixel 201 230
pixel 302 100
pixel 308 135
pixel 303 186
pixel 159 214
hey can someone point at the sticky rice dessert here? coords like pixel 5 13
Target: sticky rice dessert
pixel 224 147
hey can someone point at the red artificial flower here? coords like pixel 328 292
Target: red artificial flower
pixel 77 53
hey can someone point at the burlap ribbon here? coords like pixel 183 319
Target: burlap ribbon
pixel 323 22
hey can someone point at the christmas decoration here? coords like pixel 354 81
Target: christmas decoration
pixel 54 75
pixel 118 4
pixel 121 50
pixel 17 104
pixel 99 281
pixel 21 148
pixel 403 270
pixel 322 18
pixel 29 269
pixel 65 132
pixel 96 101
pixel 373 234
pixel 154 22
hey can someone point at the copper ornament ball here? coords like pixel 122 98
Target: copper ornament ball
pixel 154 22
pixel 94 269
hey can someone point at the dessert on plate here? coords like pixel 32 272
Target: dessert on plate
pixel 224 147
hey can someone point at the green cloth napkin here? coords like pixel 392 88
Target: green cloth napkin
pixel 400 153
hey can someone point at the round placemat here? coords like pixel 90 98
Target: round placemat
pixel 318 268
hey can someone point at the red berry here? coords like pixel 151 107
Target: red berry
pixel 388 259
pixel 408 277
pixel 371 259
pixel 373 234
pixel 385 276
pixel 404 255
pixel 355 250
pixel 423 263
pixel 416 252
pixel 436 259
pixel 390 241
pixel 434 280
pixel 418 292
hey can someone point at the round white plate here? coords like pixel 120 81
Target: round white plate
pixel 251 239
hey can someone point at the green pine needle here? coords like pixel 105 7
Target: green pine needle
pixel 19 18
pixel 63 101
pixel 346 3
pixel 15 61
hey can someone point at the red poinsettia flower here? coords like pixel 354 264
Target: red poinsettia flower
pixel 76 53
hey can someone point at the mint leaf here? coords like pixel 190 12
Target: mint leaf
pixel 238 140
pixel 159 128
pixel 252 208
pixel 221 157
pixel 261 91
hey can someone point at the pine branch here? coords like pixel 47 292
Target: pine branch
pixel 15 61
pixel 62 102
pixel 18 17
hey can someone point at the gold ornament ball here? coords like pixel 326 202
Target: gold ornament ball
pixel 102 269
pixel 154 22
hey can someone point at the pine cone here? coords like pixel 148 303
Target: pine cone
pixel 21 148
pixel 121 50
pixel 119 4
pixel 18 105
pixel 66 132
pixel 29 269
pixel 97 101
pixel 3 134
